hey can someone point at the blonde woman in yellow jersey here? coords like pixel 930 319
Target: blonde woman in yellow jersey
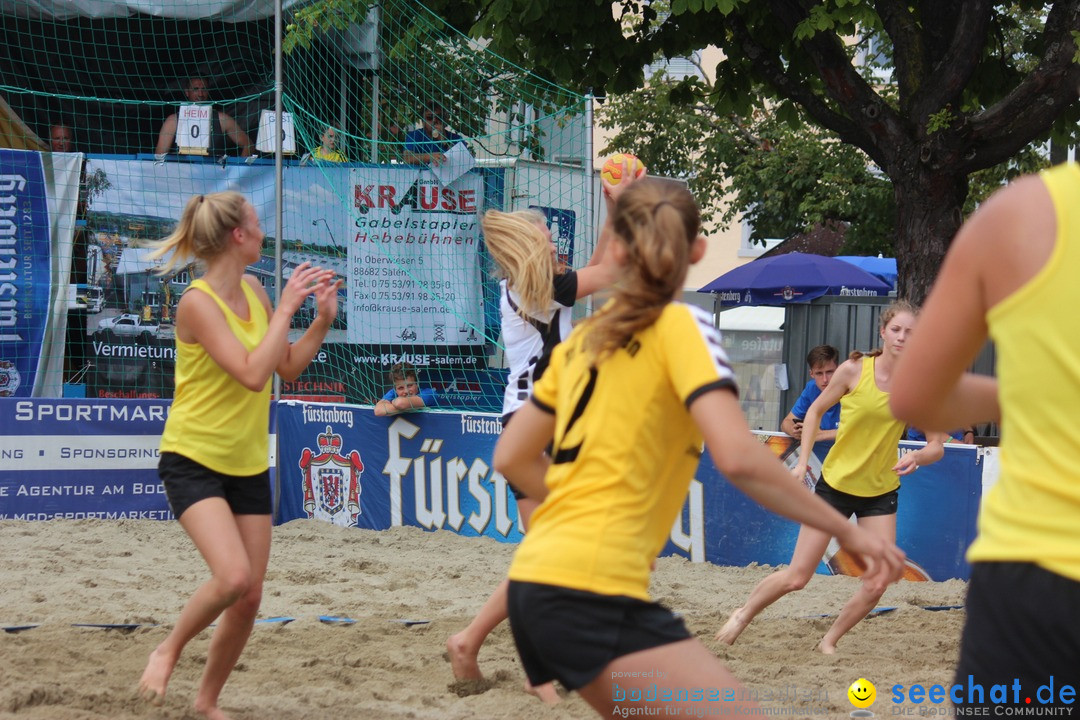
pixel 1011 275
pixel 626 403
pixel 214 450
pixel 860 475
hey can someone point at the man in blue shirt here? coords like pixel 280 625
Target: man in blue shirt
pixel 822 361
pixel 427 144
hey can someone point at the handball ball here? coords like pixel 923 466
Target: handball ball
pixel 612 170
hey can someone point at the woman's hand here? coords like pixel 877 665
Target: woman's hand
pixel 906 465
pixel 612 191
pixel 302 283
pixel 326 298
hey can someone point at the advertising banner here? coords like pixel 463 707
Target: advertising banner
pixel 414 259
pixel 342 464
pixel 80 458
pixel 433 470
pixel 935 523
pixel 76 459
pixel 38 198
pixel 419 301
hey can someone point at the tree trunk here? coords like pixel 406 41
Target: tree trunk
pixel 928 214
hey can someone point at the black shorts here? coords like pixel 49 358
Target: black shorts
pixel 857 505
pixel 187 482
pixel 1021 626
pixel 572 635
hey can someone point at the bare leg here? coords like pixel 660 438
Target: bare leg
pixel 682 665
pixel 211 526
pixel 809 549
pixel 232 632
pixel 866 597
pixel 464 647
pixel 546 692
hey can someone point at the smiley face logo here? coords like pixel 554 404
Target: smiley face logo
pixel 862 693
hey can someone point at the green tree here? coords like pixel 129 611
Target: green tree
pixel 784 179
pixel 423 59
pixel 972 83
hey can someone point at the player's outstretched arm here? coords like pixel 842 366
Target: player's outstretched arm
pixel 753 468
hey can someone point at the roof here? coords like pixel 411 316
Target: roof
pixel 228 10
pixel 823 239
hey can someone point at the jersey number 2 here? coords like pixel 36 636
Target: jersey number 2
pixel 562 454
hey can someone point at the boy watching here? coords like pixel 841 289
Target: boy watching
pixel 406 393
pixel 822 361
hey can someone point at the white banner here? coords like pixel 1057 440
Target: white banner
pixel 414 259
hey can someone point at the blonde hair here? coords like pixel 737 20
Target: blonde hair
pixel 657 223
pixel 201 232
pixel 892 310
pixel 523 255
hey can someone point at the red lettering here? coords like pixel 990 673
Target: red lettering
pixel 362 196
pixel 386 196
pixel 429 197
pixel 467 200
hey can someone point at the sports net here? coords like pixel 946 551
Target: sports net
pixel 399 134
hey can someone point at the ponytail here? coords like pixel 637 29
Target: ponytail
pixel 201 232
pixel 657 223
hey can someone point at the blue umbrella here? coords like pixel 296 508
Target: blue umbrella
pixel 882 268
pixel 793 278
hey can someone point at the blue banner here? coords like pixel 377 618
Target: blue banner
pixel 25 269
pixel 344 465
pixel 935 521
pixel 75 459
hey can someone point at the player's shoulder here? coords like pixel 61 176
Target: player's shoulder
pixel 683 317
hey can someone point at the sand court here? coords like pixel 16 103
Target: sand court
pixel 355 624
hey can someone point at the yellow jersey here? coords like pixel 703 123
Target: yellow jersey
pixel 1032 513
pixel 862 458
pixel 214 420
pixel 333 156
pixel 625 449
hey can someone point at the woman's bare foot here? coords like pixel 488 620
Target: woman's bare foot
pixel 733 627
pixel 463 661
pixel 826 648
pixel 155 678
pixel 545 692
pixel 212 712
